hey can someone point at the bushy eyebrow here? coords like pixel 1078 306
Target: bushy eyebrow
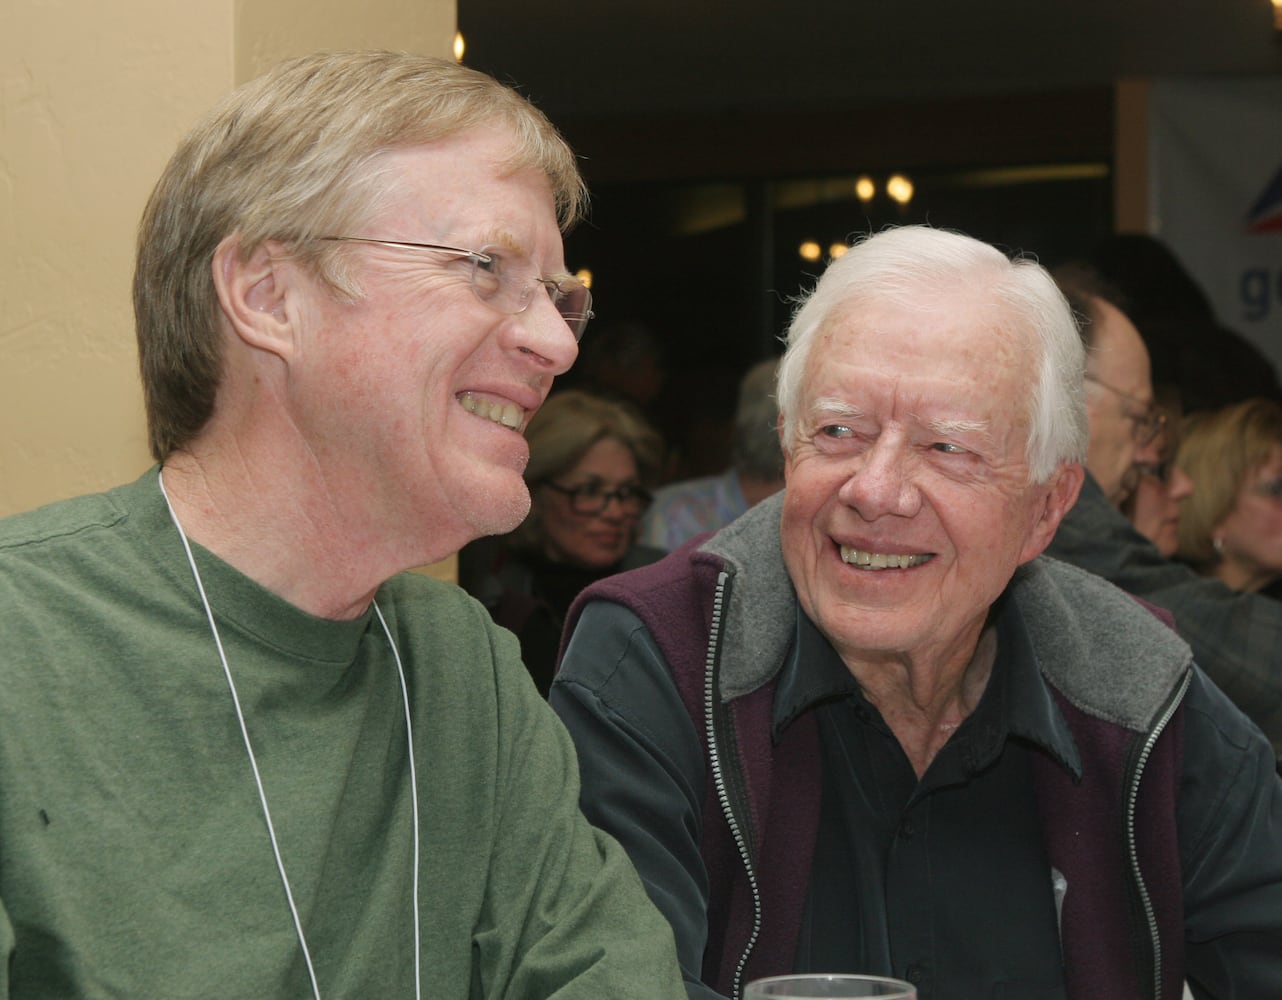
pixel 506 241
pixel 836 408
pixel 841 409
pixel 946 427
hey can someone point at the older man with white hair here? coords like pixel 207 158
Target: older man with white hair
pixel 866 728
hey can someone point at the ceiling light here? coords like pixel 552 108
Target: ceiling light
pixel 900 188
pixel 809 250
pixel 459 46
pixel 865 188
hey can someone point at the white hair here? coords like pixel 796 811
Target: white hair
pixel 912 264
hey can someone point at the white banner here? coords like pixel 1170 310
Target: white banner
pixel 1215 161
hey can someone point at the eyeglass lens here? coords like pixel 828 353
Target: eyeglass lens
pixel 507 282
pixel 594 498
pixel 1147 424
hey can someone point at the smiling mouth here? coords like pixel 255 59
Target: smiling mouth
pixel 882 560
pixel 506 414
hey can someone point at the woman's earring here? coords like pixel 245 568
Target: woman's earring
pixel 1217 543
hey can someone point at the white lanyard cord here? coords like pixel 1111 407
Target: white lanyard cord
pixel 253 761
pixel 409 731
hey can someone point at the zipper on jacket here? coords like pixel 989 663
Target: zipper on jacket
pixel 1132 849
pixel 712 715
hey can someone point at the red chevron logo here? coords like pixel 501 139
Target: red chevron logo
pixel 1266 214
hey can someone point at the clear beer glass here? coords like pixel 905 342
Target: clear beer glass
pixel 834 986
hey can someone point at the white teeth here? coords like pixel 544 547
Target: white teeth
pixel 507 414
pixel 511 416
pixel 881 560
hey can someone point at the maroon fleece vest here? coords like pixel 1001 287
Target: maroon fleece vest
pixel 1106 950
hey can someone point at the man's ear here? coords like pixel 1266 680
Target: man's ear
pixel 252 293
pixel 1061 494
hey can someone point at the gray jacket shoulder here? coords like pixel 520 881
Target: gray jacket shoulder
pixel 1103 650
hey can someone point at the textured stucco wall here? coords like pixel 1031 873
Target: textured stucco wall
pixel 93 97
pixel 267 32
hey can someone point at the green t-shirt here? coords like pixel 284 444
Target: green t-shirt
pixel 134 856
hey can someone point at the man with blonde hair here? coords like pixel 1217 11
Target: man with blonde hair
pixel 241 753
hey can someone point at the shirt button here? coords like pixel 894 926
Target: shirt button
pixel 915 974
pixel 906 830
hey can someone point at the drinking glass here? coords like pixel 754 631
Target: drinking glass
pixel 833 987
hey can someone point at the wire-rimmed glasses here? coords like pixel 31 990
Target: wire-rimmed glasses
pixel 1146 424
pixel 505 280
pixel 593 498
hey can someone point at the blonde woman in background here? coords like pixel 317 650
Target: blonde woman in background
pixel 593 462
pixel 1231 527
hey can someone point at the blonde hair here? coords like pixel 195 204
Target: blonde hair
pixel 291 157
pixel 1218 450
pixel 563 430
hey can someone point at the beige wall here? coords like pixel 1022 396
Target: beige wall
pixel 270 30
pixel 93 97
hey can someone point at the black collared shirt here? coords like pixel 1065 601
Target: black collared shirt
pixel 941 881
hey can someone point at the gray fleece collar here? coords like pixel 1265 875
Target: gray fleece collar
pixel 1108 655
pixel 761 611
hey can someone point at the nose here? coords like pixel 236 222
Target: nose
pixel 613 512
pixel 882 482
pixel 1179 485
pixel 541 332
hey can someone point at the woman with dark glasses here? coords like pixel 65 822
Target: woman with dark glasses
pixel 592 464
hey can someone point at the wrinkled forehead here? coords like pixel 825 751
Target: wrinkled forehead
pixel 464 186
pixel 960 361
pixel 923 332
